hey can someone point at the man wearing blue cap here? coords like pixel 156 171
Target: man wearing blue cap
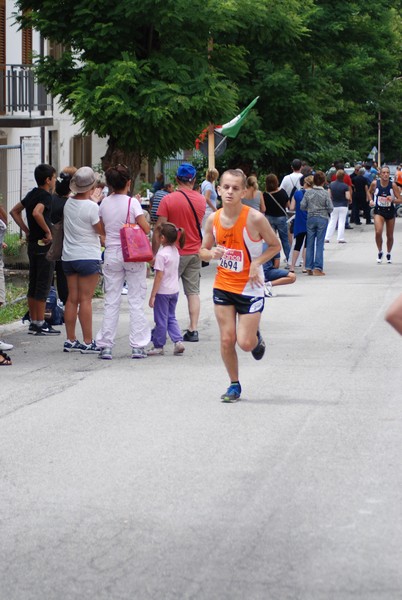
pixel 186 208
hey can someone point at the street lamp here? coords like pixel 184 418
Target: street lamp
pixel 379 120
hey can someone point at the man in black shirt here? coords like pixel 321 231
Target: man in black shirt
pixel 37 205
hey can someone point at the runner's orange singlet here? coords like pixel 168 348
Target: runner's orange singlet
pixel 234 267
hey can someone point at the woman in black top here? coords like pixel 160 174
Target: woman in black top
pixel 276 202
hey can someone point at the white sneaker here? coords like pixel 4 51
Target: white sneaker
pixel 389 259
pixel 155 351
pixel 124 291
pixel 4 346
pixel 178 348
pixel 379 257
pixel 268 291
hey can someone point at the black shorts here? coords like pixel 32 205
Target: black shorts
pixel 244 305
pixel 385 212
pixel 40 272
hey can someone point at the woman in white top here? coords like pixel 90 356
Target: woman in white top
pixel 81 258
pixel 113 214
pixel 253 197
pixel 209 192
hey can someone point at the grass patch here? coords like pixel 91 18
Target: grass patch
pixel 16 304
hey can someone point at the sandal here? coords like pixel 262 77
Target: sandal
pixel 5 360
pixel 304 271
pixel 291 271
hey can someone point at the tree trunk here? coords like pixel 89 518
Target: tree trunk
pixel 115 156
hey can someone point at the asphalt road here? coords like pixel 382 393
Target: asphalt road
pixel 128 479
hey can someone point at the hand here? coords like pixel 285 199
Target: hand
pixel 97 195
pixel 151 302
pixel 47 239
pixel 217 252
pixel 4 245
pixel 255 276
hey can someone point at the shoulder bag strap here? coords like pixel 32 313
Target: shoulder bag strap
pixel 277 203
pixel 194 213
pixel 128 210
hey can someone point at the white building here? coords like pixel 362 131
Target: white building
pixel 32 129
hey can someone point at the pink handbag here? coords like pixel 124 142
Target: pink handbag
pixel 134 242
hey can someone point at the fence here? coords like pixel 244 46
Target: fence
pixel 10 180
pixel 20 92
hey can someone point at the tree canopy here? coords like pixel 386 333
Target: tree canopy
pixel 151 75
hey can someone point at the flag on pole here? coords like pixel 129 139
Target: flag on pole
pixel 232 128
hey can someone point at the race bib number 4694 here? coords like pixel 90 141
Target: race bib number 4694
pixel 232 260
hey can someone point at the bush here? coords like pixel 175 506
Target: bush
pixel 14 243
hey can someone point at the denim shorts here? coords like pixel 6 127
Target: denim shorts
pixel 81 267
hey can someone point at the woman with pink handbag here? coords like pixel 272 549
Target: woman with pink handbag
pixel 117 211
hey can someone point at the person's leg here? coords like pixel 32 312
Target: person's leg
pixel 194 307
pixel 140 331
pixel 161 312
pixel 286 278
pixel 173 327
pixel 282 227
pixel 379 227
pixel 247 328
pixel 355 216
pixel 367 212
pixel 86 285
pixel 393 316
pixel 389 228
pixel 299 238
pixel 113 277
pixel 332 224
pixel 71 308
pixel 319 246
pixel 189 271
pixel 62 288
pixel 342 213
pixel 226 318
pixel 311 227
pixel 43 279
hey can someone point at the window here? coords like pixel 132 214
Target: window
pixel 27 46
pixel 82 150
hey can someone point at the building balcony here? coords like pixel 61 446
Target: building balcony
pixel 23 101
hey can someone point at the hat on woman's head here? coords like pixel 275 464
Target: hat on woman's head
pixel 83 180
pixel 186 172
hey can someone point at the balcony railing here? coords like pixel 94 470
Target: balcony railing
pixel 21 93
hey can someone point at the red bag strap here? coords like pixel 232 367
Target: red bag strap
pixel 128 211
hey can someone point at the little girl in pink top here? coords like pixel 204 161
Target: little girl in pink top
pixel 165 291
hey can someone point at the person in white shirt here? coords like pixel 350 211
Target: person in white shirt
pixel 291 183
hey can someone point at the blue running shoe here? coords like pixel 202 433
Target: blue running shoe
pixel 232 394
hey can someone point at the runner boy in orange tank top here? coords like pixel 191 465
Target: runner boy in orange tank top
pixel 238 232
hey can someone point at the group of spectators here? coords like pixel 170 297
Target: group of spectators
pixel 303 210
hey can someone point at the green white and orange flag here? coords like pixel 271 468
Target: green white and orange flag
pixel 232 128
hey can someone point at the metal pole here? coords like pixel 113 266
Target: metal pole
pixel 211 147
pixel 379 139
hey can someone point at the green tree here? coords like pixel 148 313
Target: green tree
pixel 319 68
pixel 137 72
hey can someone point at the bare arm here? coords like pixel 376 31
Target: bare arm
pixel 207 251
pixel 16 214
pixel 371 192
pixel 143 223
pixel 98 228
pixel 262 203
pixel 155 237
pixel 155 287
pixel 207 197
pixel 397 193
pixel 37 214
